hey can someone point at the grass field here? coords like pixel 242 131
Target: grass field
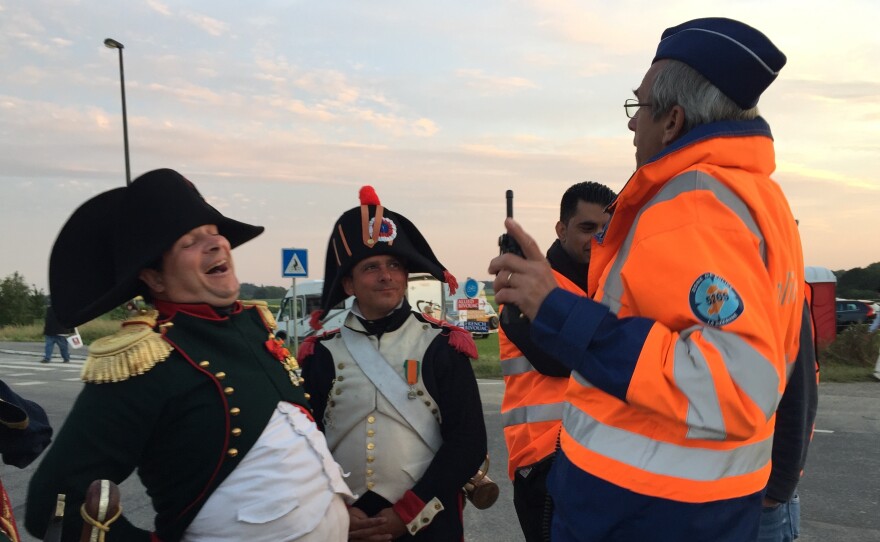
pixel 488 365
pixel 849 359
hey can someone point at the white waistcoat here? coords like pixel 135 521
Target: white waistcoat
pixel 366 434
pixel 281 491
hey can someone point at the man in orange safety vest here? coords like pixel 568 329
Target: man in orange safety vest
pixel 682 353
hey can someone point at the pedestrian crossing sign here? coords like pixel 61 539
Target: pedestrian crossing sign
pixel 294 262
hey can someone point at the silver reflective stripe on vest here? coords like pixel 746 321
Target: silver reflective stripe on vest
pixel 663 458
pixel 686 182
pixel 515 366
pixel 752 372
pixel 535 413
pixel 694 379
pixel 580 379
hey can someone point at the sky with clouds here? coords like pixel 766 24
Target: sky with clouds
pixel 280 110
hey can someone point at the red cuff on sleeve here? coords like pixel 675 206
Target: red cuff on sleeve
pixel 409 506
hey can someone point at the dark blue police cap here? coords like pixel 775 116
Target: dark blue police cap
pixel 736 58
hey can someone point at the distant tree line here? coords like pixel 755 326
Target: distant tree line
pixel 859 282
pixel 20 304
pixel 252 291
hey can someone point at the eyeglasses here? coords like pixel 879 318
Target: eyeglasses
pixel 631 106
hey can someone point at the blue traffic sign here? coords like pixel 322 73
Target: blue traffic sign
pixel 294 262
pixel 471 288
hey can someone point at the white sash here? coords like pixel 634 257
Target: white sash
pixel 390 384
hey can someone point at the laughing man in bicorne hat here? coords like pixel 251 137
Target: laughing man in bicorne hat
pixel 196 395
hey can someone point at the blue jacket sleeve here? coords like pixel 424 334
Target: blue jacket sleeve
pixel 586 337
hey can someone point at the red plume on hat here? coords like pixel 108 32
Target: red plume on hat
pixel 373 230
pixel 368 196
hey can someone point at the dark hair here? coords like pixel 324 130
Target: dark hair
pixel 588 191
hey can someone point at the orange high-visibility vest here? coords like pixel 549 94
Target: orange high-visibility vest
pixel 531 409
pixel 688 232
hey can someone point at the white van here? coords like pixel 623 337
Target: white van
pixel 425 294
pixel 293 318
pixel 467 308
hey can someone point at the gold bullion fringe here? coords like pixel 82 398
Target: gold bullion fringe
pixel 265 313
pixel 131 351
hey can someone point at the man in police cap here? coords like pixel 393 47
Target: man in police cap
pixel 680 359
pixel 196 395
pixel 393 389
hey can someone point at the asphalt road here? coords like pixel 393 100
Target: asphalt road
pixel 840 491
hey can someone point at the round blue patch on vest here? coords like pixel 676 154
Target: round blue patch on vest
pixel 714 301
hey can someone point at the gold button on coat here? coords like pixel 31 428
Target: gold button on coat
pixel 204 363
pixel 236 431
pixel 234 411
pixel 370 446
pixel 371 419
pixel 232 452
pixel 229 390
pixel 221 375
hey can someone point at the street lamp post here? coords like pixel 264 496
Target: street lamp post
pixel 113 44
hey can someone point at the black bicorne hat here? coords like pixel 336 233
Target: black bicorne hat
pixel 109 239
pixel 374 230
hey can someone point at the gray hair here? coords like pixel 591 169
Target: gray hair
pixel 679 84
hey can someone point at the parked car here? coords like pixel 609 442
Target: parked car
pixel 852 311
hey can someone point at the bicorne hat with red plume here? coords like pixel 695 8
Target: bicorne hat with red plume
pixel 373 230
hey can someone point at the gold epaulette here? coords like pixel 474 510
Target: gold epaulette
pixel 265 313
pixel 131 351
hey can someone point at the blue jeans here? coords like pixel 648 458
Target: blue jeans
pixel 782 523
pixel 61 341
